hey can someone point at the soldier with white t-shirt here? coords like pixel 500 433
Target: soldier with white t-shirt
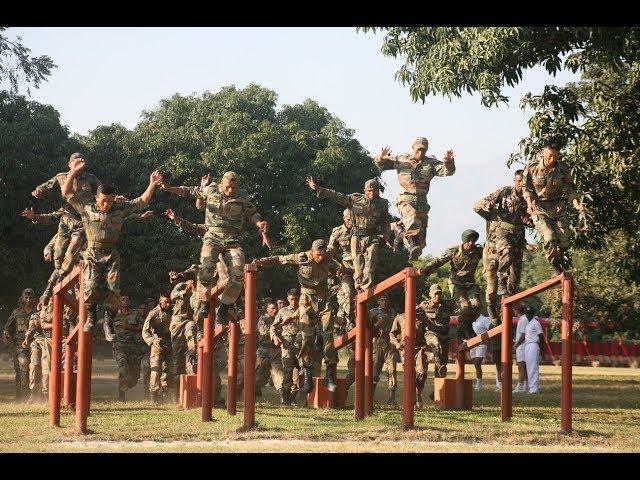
pixel 533 339
pixel 480 325
pixel 518 348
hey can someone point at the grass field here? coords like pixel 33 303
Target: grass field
pixel 606 419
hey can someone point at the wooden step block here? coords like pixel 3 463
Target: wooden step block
pixel 320 397
pixel 444 395
pixel 189 394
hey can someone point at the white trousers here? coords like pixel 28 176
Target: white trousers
pixel 531 356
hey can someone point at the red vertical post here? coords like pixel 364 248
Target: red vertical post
pixel 361 332
pixel 207 364
pixel 232 368
pixel 199 373
pixel 567 344
pixel 69 391
pixel 250 322
pixel 84 374
pixel 460 360
pixel 409 366
pixel 368 367
pixel 56 362
pixel 507 361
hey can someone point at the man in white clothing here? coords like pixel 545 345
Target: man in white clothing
pixel 480 326
pixel 518 348
pixel 533 340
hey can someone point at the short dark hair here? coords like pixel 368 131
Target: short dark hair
pixel 165 294
pixel 552 144
pixel 293 291
pixel 107 189
pixel 519 172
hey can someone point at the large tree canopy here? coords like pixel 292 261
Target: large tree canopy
pixel 18 68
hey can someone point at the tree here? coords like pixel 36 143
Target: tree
pixel 598 118
pixel 17 67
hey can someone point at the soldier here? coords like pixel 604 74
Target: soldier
pixel 437 312
pixel 281 303
pixel 126 349
pixel 184 331
pixel 415 172
pixel 464 260
pixel 144 350
pixel 507 210
pixel 156 334
pixel 314 268
pixel 14 333
pixel 340 248
pixel 384 354
pixel 371 221
pixel 227 208
pixel 269 359
pixel 38 338
pixel 283 332
pixel 102 222
pixel 548 188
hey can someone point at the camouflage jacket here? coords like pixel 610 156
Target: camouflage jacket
pixel 370 217
pixel 436 317
pixel 133 319
pixel 264 327
pixel 48 218
pixel 84 189
pixel 285 326
pixel 340 245
pixel 549 191
pixel 463 264
pixel 506 207
pixel 397 332
pixel 17 325
pixel 157 325
pixel 222 212
pixel 415 178
pixel 181 299
pixel 311 275
pixel 382 321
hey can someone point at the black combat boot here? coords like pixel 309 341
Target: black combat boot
pixel 292 398
pixel 329 379
pixel 154 397
pixel 413 248
pixel 222 314
pixel 502 285
pixel 203 311
pixel 32 398
pixel 285 398
pixel 147 395
pixel 107 325
pixel 557 265
pixel 307 386
pixel 91 318
pixel 392 397
pixel 418 404
pixel 121 396
pixel 258 392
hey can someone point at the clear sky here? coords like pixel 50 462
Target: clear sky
pixel 108 75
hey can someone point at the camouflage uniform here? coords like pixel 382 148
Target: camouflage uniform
pixel 156 326
pixel 384 353
pixel 313 302
pixel 415 179
pixel 371 220
pixel 506 209
pixel 101 258
pixel 550 193
pixel 16 328
pixel 340 247
pixel 224 218
pixel 269 358
pixel 126 348
pixel 184 332
pixel 462 284
pixel 286 327
pixel 39 341
pixel 436 335
pixel 70 237
pixel 396 336
pixel 490 270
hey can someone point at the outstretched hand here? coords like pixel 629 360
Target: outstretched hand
pixel 205 180
pixel 312 183
pixel 155 178
pixel 37 194
pixel 170 214
pixel 146 215
pixel 77 165
pixel 531 247
pixel 29 213
pixel 173 276
pixel 449 155
pixel 385 152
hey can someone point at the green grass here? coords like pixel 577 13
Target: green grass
pixel 606 418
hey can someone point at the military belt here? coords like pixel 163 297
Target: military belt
pixel 101 245
pixel 222 227
pixel 311 291
pixel 508 226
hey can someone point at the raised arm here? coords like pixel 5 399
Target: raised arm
pixel 334 196
pixel 448 165
pixel 42 218
pixel 44 188
pixel 485 206
pixel 437 262
pixel 77 165
pixel 384 160
pixel 155 179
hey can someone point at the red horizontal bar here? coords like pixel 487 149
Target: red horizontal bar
pixel 73 335
pixel 345 340
pixel 535 290
pixel 387 284
pixel 69 280
pixel 480 339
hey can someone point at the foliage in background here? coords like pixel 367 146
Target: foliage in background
pixel 18 68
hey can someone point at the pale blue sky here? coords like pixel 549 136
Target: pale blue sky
pixel 107 75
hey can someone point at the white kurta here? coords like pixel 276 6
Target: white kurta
pixel 480 326
pixel 520 330
pixel 532 354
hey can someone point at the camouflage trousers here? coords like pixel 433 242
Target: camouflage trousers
pixel 422 367
pixel 508 245
pixel 40 365
pixel 218 244
pixel 345 296
pixel 184 347
pixel 290 367
pixel 490 270
pixel 314 314
pixel 21 361
pixel 554 233
pixel 414 213
pixel 128 358
pixel 467 296
pixel 161 369
pixel 439 347
pixel 269 363
pixel 384 358
pixel 101 274
pixel 364 251
pixel 143 355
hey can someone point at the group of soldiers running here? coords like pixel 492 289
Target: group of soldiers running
pixel 293 338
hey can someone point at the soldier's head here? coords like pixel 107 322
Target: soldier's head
pixel 105 196
pixel 124 303
pixel 281 303
pixel 165 301
pixel 518 308
pixel 346 218
pixel 551 152
pixel 518 180
pixel 73 156
pixel 271 309
pixel 435 293
pixel 371 189
pixel 529 312
pixel 383 301
pixel 28 297
pixel 420 146
pixel 318 250
pixel 229 184
pixel 469 239
pixel 293 297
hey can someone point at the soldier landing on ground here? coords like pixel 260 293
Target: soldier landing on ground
pixel 283 332
pixel 157 335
